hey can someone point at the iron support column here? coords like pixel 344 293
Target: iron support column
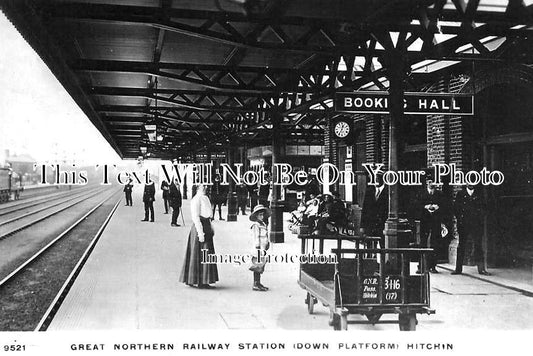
pixel 276 222
pixel 396 76
pixel 232 196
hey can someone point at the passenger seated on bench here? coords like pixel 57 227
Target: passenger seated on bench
pixel 297 216
pixel 306 214
pixel 311 212
pixel 333 211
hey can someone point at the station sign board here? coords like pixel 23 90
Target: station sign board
pixel 377 102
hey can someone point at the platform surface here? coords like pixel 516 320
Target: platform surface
pixel 130 282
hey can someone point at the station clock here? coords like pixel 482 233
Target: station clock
pixel 342 129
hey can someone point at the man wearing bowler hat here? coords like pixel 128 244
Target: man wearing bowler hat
pixel 469 209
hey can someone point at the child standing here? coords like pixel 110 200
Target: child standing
pixel 259 231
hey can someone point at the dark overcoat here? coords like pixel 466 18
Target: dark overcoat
pixel 375 212
pixel 149 193
pixel 174 196
pixel 469 211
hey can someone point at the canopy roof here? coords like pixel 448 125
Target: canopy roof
pixel 209 73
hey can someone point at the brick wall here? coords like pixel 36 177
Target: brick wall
pixel 446 134
pixel 373 138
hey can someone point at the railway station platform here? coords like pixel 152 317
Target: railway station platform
pixel 130 282
pixel 131 279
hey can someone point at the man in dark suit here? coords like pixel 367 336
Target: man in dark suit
pixel 165 188
pixel 469 209
pixel 375 210
pixel 242 197
pixel 148 200
pixel 218 196
pixel 431 211
pixel 127 191
pixel 174 196
pixel 253 193
pixel 264 192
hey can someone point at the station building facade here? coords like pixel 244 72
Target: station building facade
pixel 499 137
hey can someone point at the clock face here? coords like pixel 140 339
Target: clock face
pixel 342 129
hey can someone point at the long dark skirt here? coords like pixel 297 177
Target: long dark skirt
pixel 193 271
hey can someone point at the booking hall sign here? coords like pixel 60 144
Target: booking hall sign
pixel 377 102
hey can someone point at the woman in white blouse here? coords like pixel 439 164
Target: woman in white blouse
pixel 194 272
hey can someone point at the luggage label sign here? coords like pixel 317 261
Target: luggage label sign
pixel 369 290
pixel 392 289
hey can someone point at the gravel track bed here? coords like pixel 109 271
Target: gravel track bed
pixel 25 298
pixel 18 247
pixel 55 208
pixel 32 205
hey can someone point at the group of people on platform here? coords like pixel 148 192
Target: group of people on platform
pixel 171 199
pixel 323 213
pixel 435 212
pixel 431 207
pixel 217 193
pixel 203 207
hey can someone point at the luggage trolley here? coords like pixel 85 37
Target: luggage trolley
pixel 366 280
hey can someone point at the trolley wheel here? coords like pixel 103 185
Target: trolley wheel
pixel 373 318
pixel 310 301
pixel 407 322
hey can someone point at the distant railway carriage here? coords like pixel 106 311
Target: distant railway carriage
pixel 10 185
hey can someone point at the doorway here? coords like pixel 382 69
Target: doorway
pixel 513 203
pixel 503 140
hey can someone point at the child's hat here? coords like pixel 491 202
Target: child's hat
pixel 259 208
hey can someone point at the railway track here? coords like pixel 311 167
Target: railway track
pixel 62 293
pixel 31 293
pixel 9 227
pixel 31 202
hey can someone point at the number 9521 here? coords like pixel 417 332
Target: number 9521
pixel 7 348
